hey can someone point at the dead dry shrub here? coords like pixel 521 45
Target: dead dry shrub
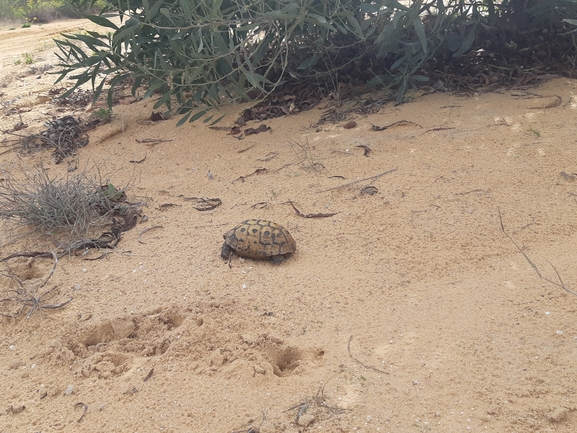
pixel 71 206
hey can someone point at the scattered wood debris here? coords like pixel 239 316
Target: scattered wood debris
pixel 569 177
pixel 147 230
pixel 149 375
pixel 204 204
pixel 367 149
pixel 166 206
pixel 15 409
pixel 257 171
pixel 64 135
pixel 372 179
pixel 369 190
pixel 152 141
pixel 258 130
pixel 78 98
pixel 269 156
pixel 442 128
pixel 156 116
pixel 245 149
pixel 235 130
pixel 399 123
pixel 84 409
pixel 361 363
pixel 26 296
pixel 311 215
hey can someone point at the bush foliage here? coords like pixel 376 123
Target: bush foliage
pixel 200 53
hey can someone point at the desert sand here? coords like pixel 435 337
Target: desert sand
pixel 408 310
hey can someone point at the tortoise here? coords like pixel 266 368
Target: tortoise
pixel 259 239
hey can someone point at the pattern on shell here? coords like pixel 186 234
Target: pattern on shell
pixel 259 239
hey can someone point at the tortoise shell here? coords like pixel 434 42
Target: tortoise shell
pixel 259 239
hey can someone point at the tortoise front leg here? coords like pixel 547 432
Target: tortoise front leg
pixel 226 251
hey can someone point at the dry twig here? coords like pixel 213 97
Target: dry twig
pixel 558 284
pixel 28 297
pixel 147 230
pixel 84 407
pixel 311 215
pixel 372 179
pixel 363 364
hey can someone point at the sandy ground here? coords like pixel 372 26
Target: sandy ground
pixel 406 311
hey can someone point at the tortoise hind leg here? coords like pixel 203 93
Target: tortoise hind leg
pixel 277 259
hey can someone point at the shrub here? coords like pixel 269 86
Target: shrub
pixel 202 52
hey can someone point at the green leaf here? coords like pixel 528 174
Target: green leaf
pixel 164 99
pixel 215 10
pixel 185 5
pixel 420 78
pixel 101 21
pixel 217 120
pixel 153 11
pixel 353 21
pixel 399 62
pixel 310 62
pixel 153 88
pixel 398 16
pixel 91 42
pixel 125 35
pixel 201 46
pixel 136 85
pixel 98 91
pixel 420 30
pixel 378 80
pixel 113 83
pixel 401 92
pixel 467 42
pixel 341 28
pixel 184 119
pixel 319 18
pixel 197 115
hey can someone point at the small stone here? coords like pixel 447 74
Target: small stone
pixel 217 358
pixel 558 414
pixel 306 420
pixel 122 328
pixel 14 365
pixel 69 390
pixel 259 369
pixel 15 409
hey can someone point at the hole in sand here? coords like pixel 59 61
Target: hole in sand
pixel 286 361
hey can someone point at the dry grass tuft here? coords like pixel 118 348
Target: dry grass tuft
pixel 72 205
